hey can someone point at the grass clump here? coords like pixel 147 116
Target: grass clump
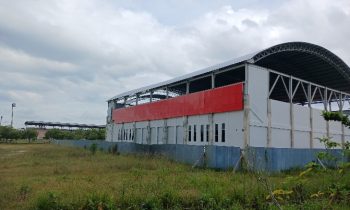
pixel 93 148
pixel 49 201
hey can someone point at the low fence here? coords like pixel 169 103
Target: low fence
pixel 217 157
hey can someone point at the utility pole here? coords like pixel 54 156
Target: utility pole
pixel 13 105
pixel 0 120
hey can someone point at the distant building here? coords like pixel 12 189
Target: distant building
pixel 42 127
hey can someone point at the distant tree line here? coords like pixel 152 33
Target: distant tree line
pixel 90 134
pixel 8 133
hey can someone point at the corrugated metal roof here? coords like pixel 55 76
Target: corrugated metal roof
pixel 309 57
pixel 186 76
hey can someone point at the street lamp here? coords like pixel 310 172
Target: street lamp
pixel 13 105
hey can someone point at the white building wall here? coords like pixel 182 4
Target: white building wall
pixel 172 131
pixel 281 122
pixel 258 80
pixel 233 128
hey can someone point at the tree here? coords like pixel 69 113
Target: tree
pixel 54 134
pixel 15 134
pixel 5 132
pixel 30 134
pixel 90 134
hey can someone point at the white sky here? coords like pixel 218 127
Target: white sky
pixel 61 60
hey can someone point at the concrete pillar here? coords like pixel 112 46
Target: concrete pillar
pixel 246 115
pixel 167 92
pixel 148 137
pixel 291 112
pixel 325 102
pixel 309 95
pixel 165 132
pixel 185 129
pixel 211 129
pixel 134 132
pixel 269 123
pixel 212 81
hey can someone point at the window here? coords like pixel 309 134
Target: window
pixel 118 134
pixel 194 133
pixel 189 133
pixel 216 132
pixel 130 137
pixel 208 129
pixel 223 132
pixel 202 133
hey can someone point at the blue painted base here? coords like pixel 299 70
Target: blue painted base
pixel 217 157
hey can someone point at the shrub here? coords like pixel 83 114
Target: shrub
pixel 100 202
pixel 49 201
pixel 23 192
pixel 113 149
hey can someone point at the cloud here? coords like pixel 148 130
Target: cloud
pixel 61 60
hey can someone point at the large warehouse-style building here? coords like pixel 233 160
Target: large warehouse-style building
pixel 272 99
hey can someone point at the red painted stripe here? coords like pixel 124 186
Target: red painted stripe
pixel 223 99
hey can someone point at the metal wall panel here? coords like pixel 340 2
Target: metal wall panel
pixel 280 138
pixel 258 136
pixel 280 114
pixel 197 121
pixel 335 127
pixel 109 130
pixel 258 90
pixel 220 157
pixel 156 123
pixel 160 134
pixel 171 135
pixel 301 118
pixel 143 124
pixel 233 128
pixel 144 136
pixel 302 139
pixel 316 142
pixel 175 121
pixel 320 125
pixel 337 138
pixel 139 135
pixel 154 135
pixel 179 135
pixel 347 131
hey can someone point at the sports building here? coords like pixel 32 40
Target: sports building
pixel 272 99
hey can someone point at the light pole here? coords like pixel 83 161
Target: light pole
pixel 13 105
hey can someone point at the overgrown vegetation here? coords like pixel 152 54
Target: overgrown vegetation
pixel 90 134
pixel 48 176
pixel 8 133
pixel 336 116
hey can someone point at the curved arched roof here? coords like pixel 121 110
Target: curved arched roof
pixel 306 61
pixel 299 59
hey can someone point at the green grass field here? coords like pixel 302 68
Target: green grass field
pixel 45 176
